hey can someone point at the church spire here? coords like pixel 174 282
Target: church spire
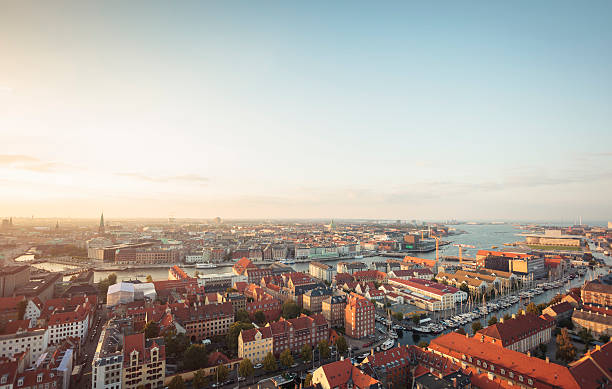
pixel 101 228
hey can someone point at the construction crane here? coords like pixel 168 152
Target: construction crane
pixel 461 247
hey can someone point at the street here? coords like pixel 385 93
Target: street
pixel 88 348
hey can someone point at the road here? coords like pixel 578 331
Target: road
pixel 89 347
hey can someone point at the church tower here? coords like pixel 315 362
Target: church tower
pixel 101 228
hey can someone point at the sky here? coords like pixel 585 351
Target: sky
pixel 273 109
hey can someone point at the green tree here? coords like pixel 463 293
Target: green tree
pixel 151 330
pixel 199 379
pixel 243 316
pixel 603 338
pixel 21 308
pixel 324 349
pixel 532 308
pixel 195 357
pixel 507 316
pixel 306 353
pixel 308 380
pixel 423 344
pixel 341 344
pixel 476 326
pixel 290 310
pixel 245 369
pixel 587 337
pixel 177 383
pixel 176 344
pixel 260 318
pixel 416 319
pixel 565 349
pixel 286 359
pixel 222 373
pixel 231 338
pixel 398 316
pixel 105 283
pixel 149 278
pixel 269 362
pixel 492 320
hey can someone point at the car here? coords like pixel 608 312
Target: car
pixel 215 385
pixel 258 366
pixel 294 365
pixel 240 379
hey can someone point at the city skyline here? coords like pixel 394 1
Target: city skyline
pixel 287 111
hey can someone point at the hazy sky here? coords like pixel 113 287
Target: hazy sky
pixel 457 109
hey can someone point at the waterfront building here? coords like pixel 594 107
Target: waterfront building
pixel 343 375
pixel 409 262
pixel 321 271
pixel 144 362
pixel 447 295
pixel 511 368
pixel 255 344
pixel 553 238
pixel 333 310
pixel 598 292
pixel 242 265
pixel 254 275
pixel 358 316
pixel 520 333
pixel 350 267
pixel 292 334
pixel 176 273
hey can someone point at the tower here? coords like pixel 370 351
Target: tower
pixel 101 228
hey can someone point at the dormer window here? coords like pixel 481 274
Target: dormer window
pixel 39 377
pixel 20 382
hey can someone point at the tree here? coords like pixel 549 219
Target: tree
pixel 105 283
pixel 423 344
pixel 565 349
pixel 464 288
pixel 232 335
pixel 603 338
pixel 199 379
pixel 507 316
pixel 286 359
pixel 245 369
pixel 151 330
pixel 243 316
pixel 532 308
pixel 260 318
pixel 21 308
pixel 306 353
pixel 398 316
pixel 416 319
pixel 290 310
pixel 269 362
pixel 177 383
pixel 222 373
pixel 308 380
pixel 176 344
pixel 149 278
pixel 341 344
pixel 460 330
pixel 195 357
pixel 492 320
pixel 476 326
pixel 324 352
pixel 587 337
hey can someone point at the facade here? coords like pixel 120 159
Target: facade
pixel 255 344
pixel 358 316
pixel 333 310
pixel 598 323
pixel 292 334
pixel 11 277
pixel 559 311
pixel 270 306
pixel 9 310
pixel 204 321
pixel 18 338
pixel 107 363
pixel 144 362
pixel 146 256
pixel 448 296
pixel 392 367
pixel 321 271
pixel 597 293
pixel 521 333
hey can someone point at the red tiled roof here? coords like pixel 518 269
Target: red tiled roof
pixel 249 335
pixel 338 375
pixel 513 330
pixel 594 369
pixel 10 303
pixel 244 263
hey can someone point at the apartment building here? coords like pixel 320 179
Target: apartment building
pixel 358 316
pixel 146 256
pixel 520 333
pixel 255 344
pixel 68 317
pixel 321 271
pixel 392 367
pixel 9 308
pixel 511 368
pixel 598 293
pixel 17 338
pixel 270 306
pixel 144 362
pixel 448 296
pixel 343 375
pixel 12 277
pixel 333 310
pixel 107 362
pixel 292 334
pixel 313 299
pixel 204 321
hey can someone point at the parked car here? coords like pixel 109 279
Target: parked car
pixel 258 366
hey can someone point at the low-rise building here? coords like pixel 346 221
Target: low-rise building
pixel 255 344
pixel 18 338
pixel 559 311
pixel 343 375
pixel 313 299
pixel 520 333
pixel 392 367
pixel 107 362
pixel 321 271
pixel 292 334
pixel 598 323
pixel 333 310
pixel 270 306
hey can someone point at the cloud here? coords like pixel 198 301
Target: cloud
pixel 6 89
pixel 26 162
pixel 187 178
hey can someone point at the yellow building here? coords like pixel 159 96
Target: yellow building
pixel 144 362
pixel 255 344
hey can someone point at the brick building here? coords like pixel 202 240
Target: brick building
pixel 358 316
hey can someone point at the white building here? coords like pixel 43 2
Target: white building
pixel 32 312
pixel 64 324
pixel 35 340
pixel 107 363
pixel 321 271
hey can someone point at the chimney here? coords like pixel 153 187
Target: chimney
pixel 372 351
pixel 514 315
pixel 501 319
pixel 342 357
pixel 547 359
pixel 454 382
pixel 481 338
pixel 528 353
pixel 467 336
